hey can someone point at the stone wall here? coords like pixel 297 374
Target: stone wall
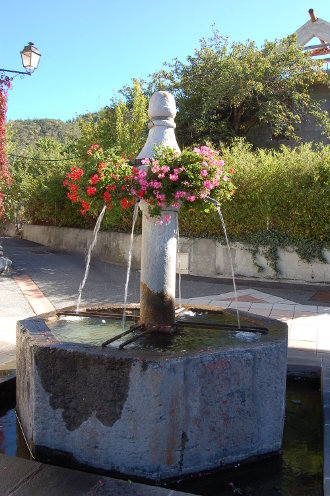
pixel 199 257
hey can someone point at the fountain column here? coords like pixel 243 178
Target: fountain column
pixel 159 241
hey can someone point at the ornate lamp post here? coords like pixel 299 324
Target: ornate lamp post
pixel 30 60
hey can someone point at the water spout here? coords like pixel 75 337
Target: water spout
pixel 178 252
pixel 88 256
pixel 217 205
pixel 135 215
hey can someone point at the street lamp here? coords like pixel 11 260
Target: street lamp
pixel 30 60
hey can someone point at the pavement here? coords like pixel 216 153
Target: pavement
pixel 43 279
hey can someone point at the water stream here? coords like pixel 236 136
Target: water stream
pixel 88 256
pixel 179 279
pixel 217 204
pixel 135 215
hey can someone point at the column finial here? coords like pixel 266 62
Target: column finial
pixel 162 110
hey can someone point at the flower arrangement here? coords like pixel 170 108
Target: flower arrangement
pixel 167 180
pixel 5 179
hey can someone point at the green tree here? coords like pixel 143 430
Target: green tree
pixel 122 125
pixel 37 193
pixel 223 91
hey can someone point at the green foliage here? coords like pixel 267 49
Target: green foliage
pixel 131 123
pixel 122 125
pixel 282 199
pixel 223 91
pixel 37 194
pixel 25 133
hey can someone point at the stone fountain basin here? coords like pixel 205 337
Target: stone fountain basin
pixel 147 413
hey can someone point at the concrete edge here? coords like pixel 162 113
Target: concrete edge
pixel 196 256
pixel 325 387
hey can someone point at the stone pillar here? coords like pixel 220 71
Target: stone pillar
pixel 159 241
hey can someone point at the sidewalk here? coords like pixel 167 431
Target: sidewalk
pixel 44 279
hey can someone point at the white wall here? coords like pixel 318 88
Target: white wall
pixel 200 257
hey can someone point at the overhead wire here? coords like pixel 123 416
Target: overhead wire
pixel 42 159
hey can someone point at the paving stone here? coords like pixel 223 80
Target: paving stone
pixel 326 443
pixel 326 487
pixel 302 333
pixel 326 402
pixel 302 345
pixel 220 303
pixel 21 477
pixel 13 471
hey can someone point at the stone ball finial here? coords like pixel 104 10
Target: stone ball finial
pixel 162 110
pixel 162 104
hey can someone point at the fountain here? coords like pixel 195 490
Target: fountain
pixel 190 391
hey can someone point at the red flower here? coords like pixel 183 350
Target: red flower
pixel 107 196
pixel 95 179
pixel 95 146
pixel 124 203
pixel 232 171
pixel 91 190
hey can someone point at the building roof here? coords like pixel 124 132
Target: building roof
pixel 314 28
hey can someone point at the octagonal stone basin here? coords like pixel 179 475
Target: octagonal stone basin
pixel 159 409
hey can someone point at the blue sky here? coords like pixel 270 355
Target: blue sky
pixel 91 48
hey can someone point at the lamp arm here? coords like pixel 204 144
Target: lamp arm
pixel 16 72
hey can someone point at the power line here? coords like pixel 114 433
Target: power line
pixel 43 159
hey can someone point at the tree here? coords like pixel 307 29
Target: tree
pixel 224 91
pixel 123 125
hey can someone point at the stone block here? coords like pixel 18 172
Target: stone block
pixel 148 414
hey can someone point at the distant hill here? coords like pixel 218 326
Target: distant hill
pixel 25 132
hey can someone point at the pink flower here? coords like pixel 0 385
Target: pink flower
pixel 155 184
pixel 167 218
pixel 176 204
pixel 191 198
pixel 145 161
pixel 180 194
pixel 225 178
pixel 203 172
pixel 207 184
pixel 143 184
pixel 174 177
